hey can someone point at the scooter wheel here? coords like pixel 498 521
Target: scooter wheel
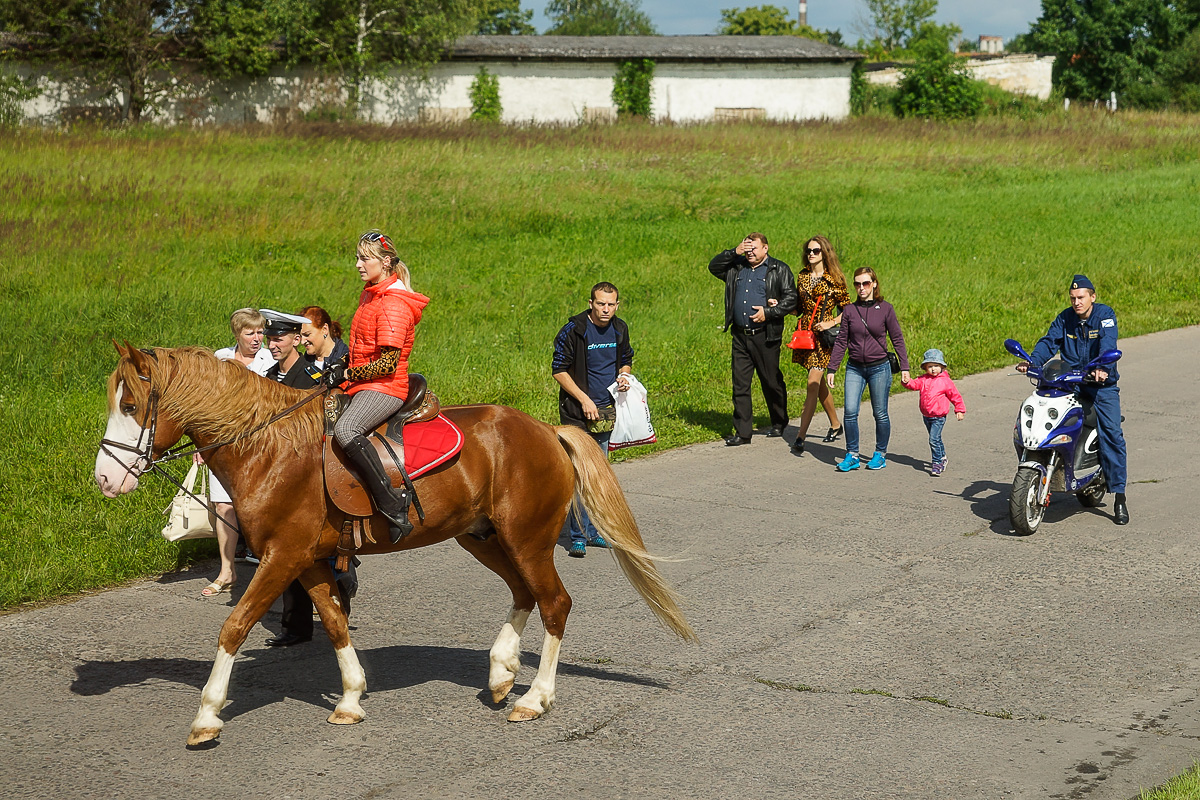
pixel 1025 511
pixel 1093 495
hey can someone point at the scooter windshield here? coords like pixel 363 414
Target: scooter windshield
pixel 1053 370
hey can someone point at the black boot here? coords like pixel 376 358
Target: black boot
pixel 393 503
pixel 1120 510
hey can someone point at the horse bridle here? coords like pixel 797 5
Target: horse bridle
pixel 154 465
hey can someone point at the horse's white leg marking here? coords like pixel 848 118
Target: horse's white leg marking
pixel 207 725
pixel 354 683
pixel 540 696
pixel 111 474
pixel 505 656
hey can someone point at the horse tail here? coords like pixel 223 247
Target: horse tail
pixel 597 485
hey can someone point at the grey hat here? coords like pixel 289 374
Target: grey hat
pixel 933 356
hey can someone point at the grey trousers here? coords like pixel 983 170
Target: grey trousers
pixel 366 411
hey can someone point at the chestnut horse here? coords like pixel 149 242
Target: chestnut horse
pixel 504 499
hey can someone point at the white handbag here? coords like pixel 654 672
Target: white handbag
pixel 188 517
pixel 633 425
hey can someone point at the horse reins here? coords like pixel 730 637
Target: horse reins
pixel 152 464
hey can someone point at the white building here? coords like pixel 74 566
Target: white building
pixel 1020 73
pixel 542 79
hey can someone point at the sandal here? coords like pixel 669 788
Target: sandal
pixel 833 435
pixel 215 588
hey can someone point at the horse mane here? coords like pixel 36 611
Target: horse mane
pixel 221 400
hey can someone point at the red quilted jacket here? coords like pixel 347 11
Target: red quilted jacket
pixel 387 316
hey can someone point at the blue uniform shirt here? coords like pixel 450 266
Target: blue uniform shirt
pixel 1080 340
pixel 750 291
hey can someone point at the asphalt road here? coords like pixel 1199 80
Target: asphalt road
pixel 869 635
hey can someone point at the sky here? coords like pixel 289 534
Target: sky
pixel 975 17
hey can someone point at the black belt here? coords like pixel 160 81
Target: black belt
pixel 748 331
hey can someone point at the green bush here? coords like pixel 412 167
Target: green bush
pixel 999 102
pixel 14 91
pixel 485 96
pixel 938 86
pixel 631 87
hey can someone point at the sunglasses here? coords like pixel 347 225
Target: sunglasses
pixel 862 284
pixel 812 251
pixel 372 238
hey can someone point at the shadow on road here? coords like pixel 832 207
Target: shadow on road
pixel 309 673
pixel 989 502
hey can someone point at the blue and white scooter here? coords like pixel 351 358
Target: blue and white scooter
pixel 1056 440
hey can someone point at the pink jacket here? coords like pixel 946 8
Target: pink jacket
pixel 937 394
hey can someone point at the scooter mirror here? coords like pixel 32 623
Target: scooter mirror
pixel 1105 358
pixel 1014 347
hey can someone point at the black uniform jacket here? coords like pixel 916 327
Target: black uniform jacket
pixel 781 286
pixel 303 374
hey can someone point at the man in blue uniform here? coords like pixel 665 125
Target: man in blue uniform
pixel 1081 333
pixel 591 352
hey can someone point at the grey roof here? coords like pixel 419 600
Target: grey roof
pixel 658 48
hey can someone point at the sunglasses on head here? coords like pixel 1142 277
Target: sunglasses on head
pixel 863 283
pixel 372 238
pixel 812 251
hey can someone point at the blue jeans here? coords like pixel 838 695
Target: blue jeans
pixel 582 529
pixel 877 380
pixel 934 425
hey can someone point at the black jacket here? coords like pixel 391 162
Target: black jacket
pixel 303 374
pixel 781 286
pixel 570 356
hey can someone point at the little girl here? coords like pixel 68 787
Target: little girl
pixel 938 392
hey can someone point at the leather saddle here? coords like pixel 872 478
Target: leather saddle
pixel 343 486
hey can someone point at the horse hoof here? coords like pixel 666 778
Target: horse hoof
pixel 344 718
pixel 500 692
pixel 523 714
pixel 203 735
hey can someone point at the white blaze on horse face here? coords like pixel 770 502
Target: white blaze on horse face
pixel 112 475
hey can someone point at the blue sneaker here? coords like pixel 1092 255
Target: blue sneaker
pixel 848 463
pixel 577 550
pixel 599 541
pixel 878 461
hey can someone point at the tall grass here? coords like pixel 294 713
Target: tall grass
pixel 155 236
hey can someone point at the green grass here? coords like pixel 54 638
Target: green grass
pixel 1185 786
pixel 155 236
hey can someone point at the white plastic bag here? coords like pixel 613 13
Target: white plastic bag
pixel 189 519
pixel 633 417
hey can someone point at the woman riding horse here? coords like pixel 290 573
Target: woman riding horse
pixel 381 340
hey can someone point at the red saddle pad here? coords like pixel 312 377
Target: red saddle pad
pixel 430 444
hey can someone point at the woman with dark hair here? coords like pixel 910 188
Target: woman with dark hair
pixel 821 289
pixel 381 339
pixel 322 337
pixel 867 323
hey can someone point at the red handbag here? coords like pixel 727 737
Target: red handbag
pixel 804 339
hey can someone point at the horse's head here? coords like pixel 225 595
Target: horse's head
pixel 136 431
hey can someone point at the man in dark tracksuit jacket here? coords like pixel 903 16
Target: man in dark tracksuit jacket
pixel 1081 333
pixel 759 292
pixel 591 352
pixel 294 369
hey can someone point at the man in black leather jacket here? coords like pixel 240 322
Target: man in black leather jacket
pixel 759 292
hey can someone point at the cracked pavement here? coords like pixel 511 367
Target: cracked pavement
pixel 868 635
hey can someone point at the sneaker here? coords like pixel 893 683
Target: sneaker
pixel 878 461
pixel 250 557
pixel 935 469
pixel 848 463
pixel 599 541
pixel 577 550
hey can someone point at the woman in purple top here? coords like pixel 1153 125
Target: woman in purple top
pixel 865 325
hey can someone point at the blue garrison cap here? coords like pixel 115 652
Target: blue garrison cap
pixel 1082 282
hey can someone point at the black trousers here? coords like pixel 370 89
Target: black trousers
pixel 297 615
pixel 750 354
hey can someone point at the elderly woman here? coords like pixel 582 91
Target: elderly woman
pixel 867 323
pixel 381 340
pixel 247 325
pixel 821 292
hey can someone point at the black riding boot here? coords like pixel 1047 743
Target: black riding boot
pixel 393 503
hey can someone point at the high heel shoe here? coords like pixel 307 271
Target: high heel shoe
pixel 833 435
pixel 216 587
